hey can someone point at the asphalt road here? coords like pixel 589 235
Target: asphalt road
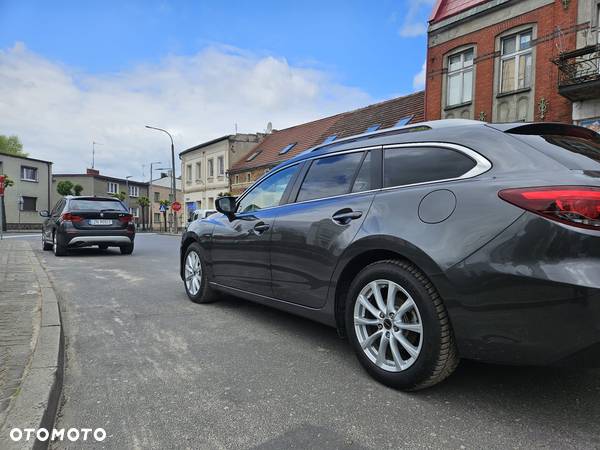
pixel 157 371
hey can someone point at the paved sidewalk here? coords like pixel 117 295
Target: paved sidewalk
pixel 30 343
pixel 20 314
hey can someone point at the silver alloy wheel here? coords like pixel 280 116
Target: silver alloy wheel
pixel 193 273
pixel 388 325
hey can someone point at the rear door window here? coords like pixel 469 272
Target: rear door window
pixel 96 205
pixel 330 176
pixel 411 165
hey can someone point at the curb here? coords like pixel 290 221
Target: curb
pixel 37 402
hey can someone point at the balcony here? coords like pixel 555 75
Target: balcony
pixel 579 73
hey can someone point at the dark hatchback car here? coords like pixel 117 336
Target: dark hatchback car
pixel 87 221
pixel 425 244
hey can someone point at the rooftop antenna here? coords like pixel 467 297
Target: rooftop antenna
pixel 236 128
pixel 94 152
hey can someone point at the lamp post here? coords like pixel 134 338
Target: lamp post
pixel 173 198
pixel 151 209
pixel 127 189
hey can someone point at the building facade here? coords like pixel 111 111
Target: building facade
pixel 492 60
pixel 281 145
pixel 95 184
pixel 205 168
pixel 30 192
pixel 579 67
pixel 160 189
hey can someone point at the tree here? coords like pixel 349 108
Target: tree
pixel 166 204
pixel 11 145
pixel 121 196
pixel 144 202
pixel 7 183
pixel 64 188
pixel 77 189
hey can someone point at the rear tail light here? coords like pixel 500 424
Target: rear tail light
pixel 68 217
pixel 127 218
pixel 575 205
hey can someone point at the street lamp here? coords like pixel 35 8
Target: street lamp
pixel 173 198
pixel 127 184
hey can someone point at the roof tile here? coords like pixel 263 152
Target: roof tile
pixel 349 123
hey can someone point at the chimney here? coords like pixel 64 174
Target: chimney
pixel 92 172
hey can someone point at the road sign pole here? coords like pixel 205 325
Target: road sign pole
pixel 2 178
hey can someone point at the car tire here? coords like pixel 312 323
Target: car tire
pixel 46 246
pixel 58 247
pixel 126 249
pixel 103 247
pixel 412 345
pixel 195 277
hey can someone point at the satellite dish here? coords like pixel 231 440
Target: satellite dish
pixel 269 128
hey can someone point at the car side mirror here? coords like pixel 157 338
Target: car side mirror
pixel 226 205
pixel 190 219
pixel 44 213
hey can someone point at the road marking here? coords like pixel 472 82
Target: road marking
pixel 22 236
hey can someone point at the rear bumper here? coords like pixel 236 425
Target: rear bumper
pixel 94 240
pixel 73 237
pixel 531 296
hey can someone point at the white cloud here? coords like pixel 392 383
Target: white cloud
pixel 419 78
pixel 58 111
pixel 412 25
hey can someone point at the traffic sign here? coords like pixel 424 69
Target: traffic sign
pixel 176 206
pixel 2 178
pixel 163 208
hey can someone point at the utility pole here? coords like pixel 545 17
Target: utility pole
pixel 173 191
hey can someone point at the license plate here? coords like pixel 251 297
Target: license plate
pixel 100 222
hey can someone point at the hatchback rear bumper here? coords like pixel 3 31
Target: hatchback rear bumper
pixel 73 237
pixel 93 240
pixel 531 296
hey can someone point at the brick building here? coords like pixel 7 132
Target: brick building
pixel 493 60
pixel 282 145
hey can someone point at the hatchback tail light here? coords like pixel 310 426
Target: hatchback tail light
pixel 575 205
pixel 68 217
pixel 127 218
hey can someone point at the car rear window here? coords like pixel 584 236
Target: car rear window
pixel 411 165
pixel 573 152
pixel 96 205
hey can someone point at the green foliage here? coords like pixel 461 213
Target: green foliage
pixel 11 145
pixel 143 201
pixel 166 203
pixel 77 189
pixel 121 196
pixel 64 188
pixel 8 182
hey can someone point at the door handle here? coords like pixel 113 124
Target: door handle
pixel 344 216
pixel 261 227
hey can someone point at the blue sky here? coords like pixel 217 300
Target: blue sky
pixel 337 55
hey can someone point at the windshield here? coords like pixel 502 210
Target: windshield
pixel 96 205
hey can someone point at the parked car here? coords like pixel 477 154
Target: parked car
pixel 201 214
pixel 424 244
pixel 87 221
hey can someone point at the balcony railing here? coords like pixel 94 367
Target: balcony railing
pixel 579 73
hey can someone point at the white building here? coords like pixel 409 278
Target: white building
pixel 204 168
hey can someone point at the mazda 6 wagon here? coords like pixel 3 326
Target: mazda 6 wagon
pixel 423 244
